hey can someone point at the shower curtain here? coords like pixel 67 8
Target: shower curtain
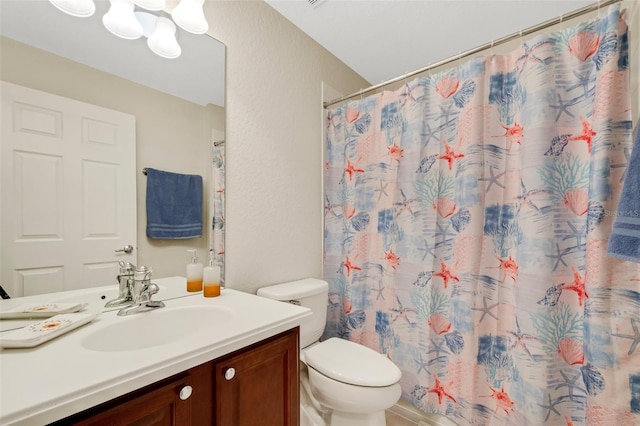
pixel 216 242
pixel 466 223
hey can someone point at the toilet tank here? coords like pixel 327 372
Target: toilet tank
pixel 311 293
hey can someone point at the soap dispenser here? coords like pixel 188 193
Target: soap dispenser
pixel 211 278
pixel 194 273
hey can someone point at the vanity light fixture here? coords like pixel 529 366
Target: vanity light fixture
pixel 121 21
pixel 124 21
pixel 189 15
pixel 79 8
pixel 161 35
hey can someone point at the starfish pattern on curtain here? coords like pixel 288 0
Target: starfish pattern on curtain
pixel 466 221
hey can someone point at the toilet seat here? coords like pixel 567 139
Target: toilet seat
pixel 351 363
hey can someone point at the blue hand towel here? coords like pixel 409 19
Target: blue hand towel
pixel 174 205
pixel 624 242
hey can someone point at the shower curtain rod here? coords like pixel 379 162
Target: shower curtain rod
pixel 530 30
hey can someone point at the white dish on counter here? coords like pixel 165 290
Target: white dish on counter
pixel 43 331
pixel 41 310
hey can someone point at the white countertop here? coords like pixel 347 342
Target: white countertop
pixel 62 377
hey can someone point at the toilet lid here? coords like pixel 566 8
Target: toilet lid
pixel 351 363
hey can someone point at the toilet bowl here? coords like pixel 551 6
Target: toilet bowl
pixel 344 383
pixel 356 383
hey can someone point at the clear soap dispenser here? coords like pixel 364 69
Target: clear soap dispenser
pixel 194 273
pixel 211 278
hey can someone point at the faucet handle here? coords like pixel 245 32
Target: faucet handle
pixel 147 293
pixel 125 284
pixel 141 283
pixel 152 289
pixel 142 290
pixel 142 273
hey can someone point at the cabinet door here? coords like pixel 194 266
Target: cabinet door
pixel 162 406
pixel 259 385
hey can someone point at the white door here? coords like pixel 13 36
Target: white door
pixel 68 192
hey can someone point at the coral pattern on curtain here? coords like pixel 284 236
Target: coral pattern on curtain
pixel 466 224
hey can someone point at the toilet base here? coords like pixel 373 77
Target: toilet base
pixel 376 418
pixel 352 405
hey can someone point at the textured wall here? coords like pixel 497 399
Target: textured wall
pixel 273 143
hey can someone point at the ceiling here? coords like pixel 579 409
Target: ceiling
pixel 384 39
pixel 197 75
pixel 379 39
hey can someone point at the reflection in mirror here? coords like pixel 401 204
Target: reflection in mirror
pixel 56 68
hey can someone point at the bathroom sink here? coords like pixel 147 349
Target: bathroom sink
pixel 155 328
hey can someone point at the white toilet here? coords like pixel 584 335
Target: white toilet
pixel 347 383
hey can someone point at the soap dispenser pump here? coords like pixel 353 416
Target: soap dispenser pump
pixel 211 278
pixel 194 273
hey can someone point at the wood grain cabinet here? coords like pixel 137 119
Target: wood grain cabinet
pixel 260 385
pixel 256 385
pixel 161 406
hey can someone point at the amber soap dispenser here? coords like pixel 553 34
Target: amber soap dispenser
pixel 194 273
pixel 211 278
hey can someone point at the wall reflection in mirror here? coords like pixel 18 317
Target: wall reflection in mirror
pixel 66 210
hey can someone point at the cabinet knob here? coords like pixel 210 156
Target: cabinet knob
pixel 230 373
pixel 185 392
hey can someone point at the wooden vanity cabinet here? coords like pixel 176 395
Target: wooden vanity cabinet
pixel 260 385
pixel 157 406
pixel 256 385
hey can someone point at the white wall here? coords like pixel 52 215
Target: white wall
pixel 273 143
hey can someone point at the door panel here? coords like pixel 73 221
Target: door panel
pixel 68 192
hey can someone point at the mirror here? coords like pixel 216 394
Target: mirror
pixel 178 105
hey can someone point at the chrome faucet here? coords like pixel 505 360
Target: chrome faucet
pixel 125 286
pixel 142 291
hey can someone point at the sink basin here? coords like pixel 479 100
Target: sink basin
pixel 155 328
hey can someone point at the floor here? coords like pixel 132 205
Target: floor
pixel 394 419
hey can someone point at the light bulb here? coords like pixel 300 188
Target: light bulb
pixel 163 41
pixel 79 8
pixel 121 21
pixel 189 15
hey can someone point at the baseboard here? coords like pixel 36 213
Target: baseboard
pixel 408 411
